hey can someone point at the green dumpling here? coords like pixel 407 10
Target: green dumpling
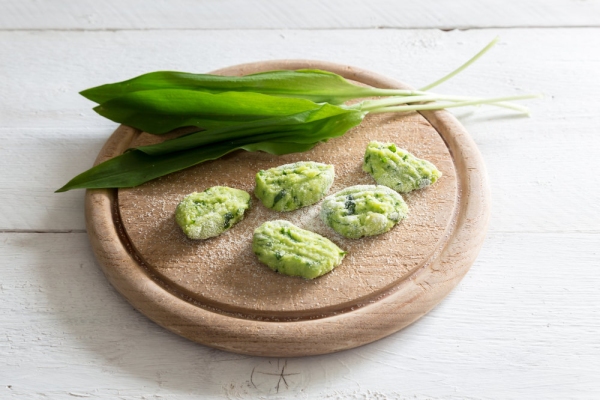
pixel 398 169
pixel 292 186
pixel 363 210
pixel 212 212
pixel 289 250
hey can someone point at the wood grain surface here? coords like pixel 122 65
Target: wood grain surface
pixel 217 286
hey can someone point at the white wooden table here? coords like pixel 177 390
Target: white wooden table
pixel 523 324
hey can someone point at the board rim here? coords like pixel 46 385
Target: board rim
pixel 412 298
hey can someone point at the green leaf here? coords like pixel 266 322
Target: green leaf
pixel 324 122
pixel 136 167
pixel 312 84
pixel 160 111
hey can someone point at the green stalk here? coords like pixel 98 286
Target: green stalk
pixel 369 105
pixel 438 106
pixel 462 67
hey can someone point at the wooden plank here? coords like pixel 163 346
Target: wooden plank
pixel 522 324
pixel 536 165
pixel 289 14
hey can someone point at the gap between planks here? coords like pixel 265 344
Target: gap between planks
pixel 361 28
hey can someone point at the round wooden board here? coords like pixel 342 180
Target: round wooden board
pixel 216 293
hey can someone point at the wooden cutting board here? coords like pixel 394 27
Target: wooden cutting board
pixel 215 292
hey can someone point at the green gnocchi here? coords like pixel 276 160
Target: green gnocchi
pixel 292 186
pixel 398 169
pixel 211 212
pixel 363 210
pixel 293 251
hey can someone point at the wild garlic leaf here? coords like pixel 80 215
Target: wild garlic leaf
pixel 322 123
pixel 136 166
pixel 311 84
pixel 161 111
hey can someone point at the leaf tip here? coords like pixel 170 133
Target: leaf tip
pixel 90 94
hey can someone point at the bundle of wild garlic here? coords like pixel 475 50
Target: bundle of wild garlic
pixel 278 112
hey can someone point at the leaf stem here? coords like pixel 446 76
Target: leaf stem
pixel 472 102
pixel 462 67
pixel 370 105
pixel 391 92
